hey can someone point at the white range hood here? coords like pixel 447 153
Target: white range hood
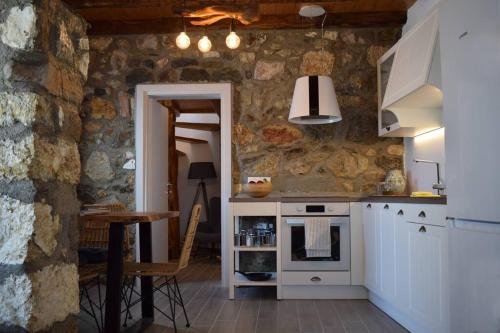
pixel 410 97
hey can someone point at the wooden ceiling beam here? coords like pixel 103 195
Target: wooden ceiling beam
pixel 174 25
pixel 159 16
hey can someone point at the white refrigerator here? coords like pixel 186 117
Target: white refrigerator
pixel 470 59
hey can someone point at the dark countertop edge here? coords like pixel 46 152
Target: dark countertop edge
pixel 388 199
pixel 250 199
pixel 406 199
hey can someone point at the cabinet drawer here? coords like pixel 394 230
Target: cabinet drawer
pixel 425 214
pixel 316 278
pixel 255 209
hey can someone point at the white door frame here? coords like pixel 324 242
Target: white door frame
pixel 145 93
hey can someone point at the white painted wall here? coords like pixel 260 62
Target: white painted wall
pixel 429 146
pixel 197 153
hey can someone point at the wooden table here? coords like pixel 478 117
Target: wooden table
pixel 117 222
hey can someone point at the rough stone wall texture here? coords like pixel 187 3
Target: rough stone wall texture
pixel 343 157
pixel 44 56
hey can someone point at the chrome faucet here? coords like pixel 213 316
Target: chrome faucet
pixel 439 186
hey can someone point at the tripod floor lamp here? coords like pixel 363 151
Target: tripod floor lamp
pixel 202 171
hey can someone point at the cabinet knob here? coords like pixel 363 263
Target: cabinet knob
pixel 422 214
pixel 422 229
pixel 315 279
pixel 386 206
pixel 401 212
pixel 369 206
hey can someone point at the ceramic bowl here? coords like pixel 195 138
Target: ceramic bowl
pixel 258 190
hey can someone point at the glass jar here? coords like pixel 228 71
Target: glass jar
pixel 395 182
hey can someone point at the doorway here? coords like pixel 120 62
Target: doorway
pixel 152 154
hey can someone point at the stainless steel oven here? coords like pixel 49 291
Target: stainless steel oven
pixel 293 249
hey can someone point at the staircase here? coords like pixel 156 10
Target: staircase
pixel 208 106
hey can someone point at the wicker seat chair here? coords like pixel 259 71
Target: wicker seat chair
pixel 168 271
pixel 95 236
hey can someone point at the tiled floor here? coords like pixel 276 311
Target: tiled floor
pixel 255 310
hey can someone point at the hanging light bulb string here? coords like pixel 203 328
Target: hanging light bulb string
pixel 232 39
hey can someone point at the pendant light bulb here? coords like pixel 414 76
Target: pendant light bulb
pixel 183 41
pixel 232 40
pixel 204 44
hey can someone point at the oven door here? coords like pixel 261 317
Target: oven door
pixel 293 246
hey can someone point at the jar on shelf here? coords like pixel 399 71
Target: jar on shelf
pixel 250 241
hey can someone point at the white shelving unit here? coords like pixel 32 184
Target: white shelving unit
pixel 252 209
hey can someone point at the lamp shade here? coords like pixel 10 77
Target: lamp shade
pixel 314 101
pixel 201 170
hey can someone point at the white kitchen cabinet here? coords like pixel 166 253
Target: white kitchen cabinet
pixel 402 257
pixel 372 245
pixel 409 81
pixel 387 259
pixel 405 263
pixel 427 258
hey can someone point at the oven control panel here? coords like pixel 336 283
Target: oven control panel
pixel 315 209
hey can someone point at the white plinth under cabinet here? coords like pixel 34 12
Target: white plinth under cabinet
pixel 257 257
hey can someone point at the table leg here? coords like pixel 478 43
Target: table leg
pixel 146 281
pixel 114 278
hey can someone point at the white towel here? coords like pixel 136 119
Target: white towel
pixel 317 234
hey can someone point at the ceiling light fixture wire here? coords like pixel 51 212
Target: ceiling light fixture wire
pixel 323 32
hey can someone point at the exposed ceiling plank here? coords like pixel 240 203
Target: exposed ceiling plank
pixel 174 25
pixel 199 126
pixel 159 16
pixel 190 140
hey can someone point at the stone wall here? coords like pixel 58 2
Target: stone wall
pixel 343 157
pixel 43 66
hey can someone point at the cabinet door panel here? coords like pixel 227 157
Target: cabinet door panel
pixel 402 258
pixel 427 246
pixel 370 233
pixel 387 259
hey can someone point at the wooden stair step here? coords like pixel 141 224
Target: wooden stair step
pixel 197 111
pixel 199 126
pixel 190 140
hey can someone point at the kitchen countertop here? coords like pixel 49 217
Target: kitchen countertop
pixel 338 197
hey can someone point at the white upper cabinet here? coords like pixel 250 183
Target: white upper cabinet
pixel 409 81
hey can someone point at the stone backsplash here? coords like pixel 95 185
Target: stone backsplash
pixel 344 157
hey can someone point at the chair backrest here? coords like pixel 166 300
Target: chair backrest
pixel 95 234
pixel 189 238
